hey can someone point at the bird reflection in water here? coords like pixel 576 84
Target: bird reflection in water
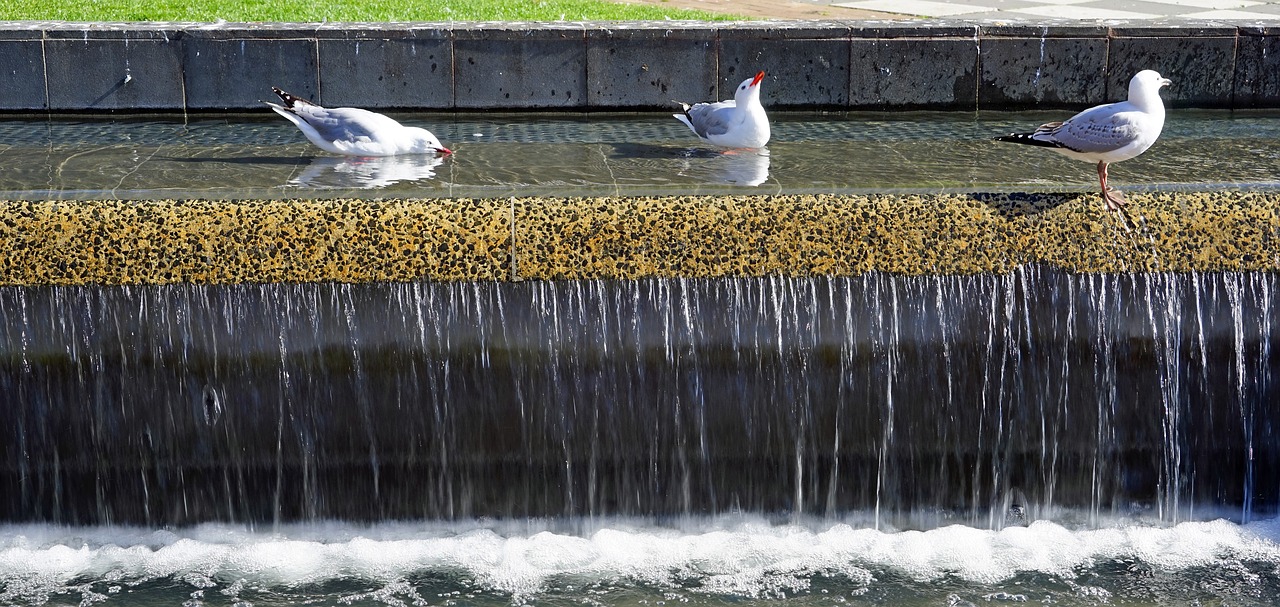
pixel 732 167
pixel 366 172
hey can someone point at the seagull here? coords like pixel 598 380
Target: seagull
pixel 736 123
pixel 355 132
pixel 1107 133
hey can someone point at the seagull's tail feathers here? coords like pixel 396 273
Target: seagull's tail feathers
pixel 685 119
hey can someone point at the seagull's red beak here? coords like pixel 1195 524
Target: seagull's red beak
pixel 758 78
pixel 445 151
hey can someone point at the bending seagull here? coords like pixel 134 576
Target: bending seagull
pixel 1107 133
pixel 355 132
pixel 736 123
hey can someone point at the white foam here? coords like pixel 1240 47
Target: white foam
pixel 720 556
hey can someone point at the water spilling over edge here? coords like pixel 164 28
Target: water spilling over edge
pixel 927 401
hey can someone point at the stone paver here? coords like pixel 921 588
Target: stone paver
pixel 1233 11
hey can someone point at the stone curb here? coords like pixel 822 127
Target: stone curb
pixel 72 67
pixel 356 241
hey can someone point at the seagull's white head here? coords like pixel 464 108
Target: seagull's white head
pixel 426 143
pixel 749 90
pixel 1145 86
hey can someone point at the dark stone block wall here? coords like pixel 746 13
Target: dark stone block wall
pixel 634 65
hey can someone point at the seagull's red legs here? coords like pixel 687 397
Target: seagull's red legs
pixel 1113 198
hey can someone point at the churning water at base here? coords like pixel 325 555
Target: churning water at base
pixel 699 561
pixel 873 439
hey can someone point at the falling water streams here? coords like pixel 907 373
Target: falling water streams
pixel 876 439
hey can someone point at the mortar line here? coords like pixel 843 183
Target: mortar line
pixel 716 50
pixel 1106 69
pixel 182 77
pixel 44 70
pixel 319 88
pixel 977 69
pixel 1235 64
pixel 453 70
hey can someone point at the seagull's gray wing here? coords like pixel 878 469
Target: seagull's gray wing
pixel 344 124
pixel 1102 129
pixel 711 118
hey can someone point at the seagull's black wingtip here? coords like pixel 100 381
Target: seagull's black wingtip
pixel 1028 139
pixel 1013 137
pixel 288 98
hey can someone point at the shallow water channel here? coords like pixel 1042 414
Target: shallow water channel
pixel 263 156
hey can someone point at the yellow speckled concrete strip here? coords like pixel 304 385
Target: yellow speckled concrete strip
pixel 150 242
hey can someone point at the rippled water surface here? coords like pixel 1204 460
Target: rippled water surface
pixel 600 154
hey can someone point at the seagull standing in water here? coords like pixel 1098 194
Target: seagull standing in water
pixel 1107 133
pixel 737 123
pixel 355 132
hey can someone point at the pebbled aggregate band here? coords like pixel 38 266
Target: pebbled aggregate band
pixel 355 241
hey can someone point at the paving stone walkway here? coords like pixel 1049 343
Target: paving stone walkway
pixel 1228 11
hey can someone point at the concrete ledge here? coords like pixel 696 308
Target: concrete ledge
pixel 128 242
pixel 46 66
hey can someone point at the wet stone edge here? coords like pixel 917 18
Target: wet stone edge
pixel 503 239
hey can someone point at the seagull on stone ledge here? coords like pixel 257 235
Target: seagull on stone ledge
pixel 1107 133
pixel 355 132
pixel 736 123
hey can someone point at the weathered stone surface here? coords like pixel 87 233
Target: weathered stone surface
pixel 166 32
pixel 257 31
pixel 100 74
pixel 1200 68
pixel 1046 29
pixel 157 242
pixel 160 242
pixel 940 64
pixel 1036 72
pixel 784 30
pixel 938 73
pixel 520 67
pixel 412 69
pixel 239 73
pixel 1257 77
pixel 22 76
pixel 800 72
pixel 1174 29
pixel 933 234
pixel 933 28
pixel 645 67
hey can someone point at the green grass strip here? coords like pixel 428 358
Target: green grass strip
pixel 342 10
